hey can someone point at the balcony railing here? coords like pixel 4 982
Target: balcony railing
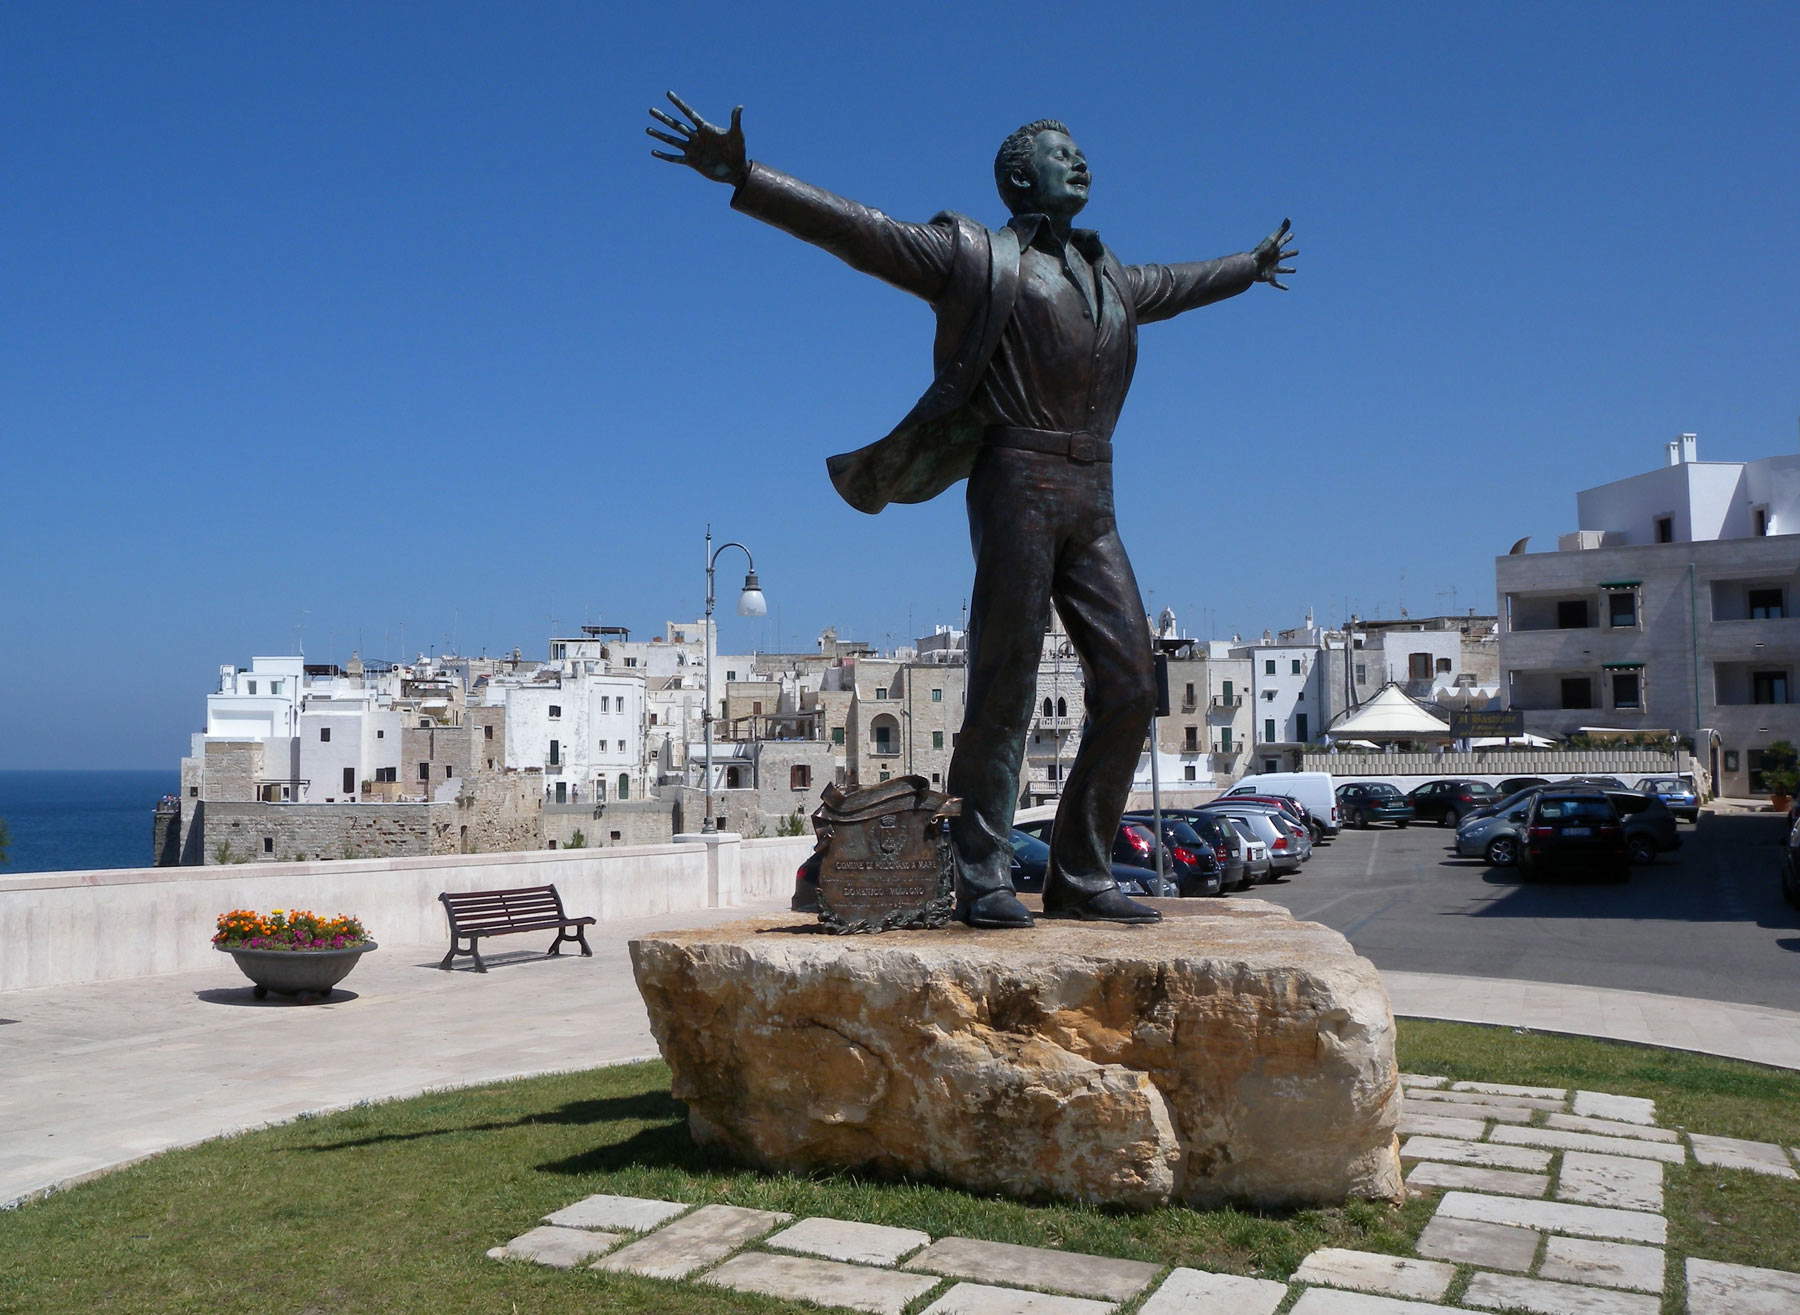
pixel 1228 700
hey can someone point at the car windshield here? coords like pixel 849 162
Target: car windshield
pixel 1381 790
pixel 1480 789
pixel 1030 848
pixel 1667 787
pixel 1242 828
pixel 1571 810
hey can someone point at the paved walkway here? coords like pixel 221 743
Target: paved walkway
pixel 96 1076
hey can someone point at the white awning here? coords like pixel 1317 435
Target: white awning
pixel 1390 715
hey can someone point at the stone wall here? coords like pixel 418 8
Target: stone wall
pixel 614 823
pixel 290 833
pixel 494 812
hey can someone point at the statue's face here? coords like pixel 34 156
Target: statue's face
pixel 1060 177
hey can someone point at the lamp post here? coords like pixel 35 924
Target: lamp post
pixel 750 603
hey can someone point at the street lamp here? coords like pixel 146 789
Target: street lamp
pixel 750 603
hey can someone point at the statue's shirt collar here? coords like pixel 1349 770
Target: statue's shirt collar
pixel 1036 229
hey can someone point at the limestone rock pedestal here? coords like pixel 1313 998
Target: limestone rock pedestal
pixel 1228 1053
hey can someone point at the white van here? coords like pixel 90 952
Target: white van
pixel 1314 790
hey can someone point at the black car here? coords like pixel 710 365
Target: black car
pixel 1503 804
pixel 1790 867
pixel 1514 784
pixel 1195 868
pixel 1574 830
pixel 1227 844
pixel 1649 825
pixel 1446 802
pixel 1133 856
pixel 1364 803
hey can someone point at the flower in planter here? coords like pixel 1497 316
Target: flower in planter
pixel 284 929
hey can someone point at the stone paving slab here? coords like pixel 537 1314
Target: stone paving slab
pixel 634 1214
pixel 1610 1180
pixel 1736 1153
pixel 1610 1128
pixel 1556 1217
pixel 1508 1089
pixel 1485 1100
pixel 1368 1271
pixel 1465 1109
pixel 1508 1292
pixel 1437 1125
pixel 826 1282
pixel 1715 1288
pixel 1470 1242
pixel 1423 1080
pixel 1036 1267
pixel 1604 1105
pixel 980 1299
pixel 1197 1292
pixel 1327 1301
pixel 560 1248
pixel 1587 1141
pixel 840 1239
pixel 1485 1154
pixel 1603 1264
pixel 703 1238
pixel 1432 1173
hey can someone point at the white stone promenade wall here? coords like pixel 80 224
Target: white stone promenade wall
pixel 58 928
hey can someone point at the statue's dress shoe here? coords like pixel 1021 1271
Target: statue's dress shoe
pixel 997 908
pixel 1109 905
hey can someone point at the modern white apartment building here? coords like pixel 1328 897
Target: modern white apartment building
pixel 1671 610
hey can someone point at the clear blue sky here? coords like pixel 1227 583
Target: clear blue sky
pixel 379 319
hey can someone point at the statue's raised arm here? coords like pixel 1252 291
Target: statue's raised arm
pixel 715 152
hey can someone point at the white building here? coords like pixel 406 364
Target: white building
pixel 579 723
pixel 1671 610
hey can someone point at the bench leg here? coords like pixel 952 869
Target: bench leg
pixel 581 938
pixel 562 935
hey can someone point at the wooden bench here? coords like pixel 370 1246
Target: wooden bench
pixel 477 913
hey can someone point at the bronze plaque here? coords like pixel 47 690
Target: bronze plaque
pixel 884 857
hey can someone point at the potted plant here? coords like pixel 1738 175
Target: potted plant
pixel 1781 773
pixel 292 952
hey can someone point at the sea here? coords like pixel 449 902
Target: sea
pixel 71 821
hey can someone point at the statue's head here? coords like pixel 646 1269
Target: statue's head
pixel 1040 169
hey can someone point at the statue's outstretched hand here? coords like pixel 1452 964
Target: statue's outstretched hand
pixel 716 152
pixel 1270 253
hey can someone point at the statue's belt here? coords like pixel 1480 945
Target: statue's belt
pixel 1078 446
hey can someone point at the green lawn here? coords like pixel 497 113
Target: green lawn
pixel 390 1207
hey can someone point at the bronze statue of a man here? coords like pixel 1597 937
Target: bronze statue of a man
pixel 1036 344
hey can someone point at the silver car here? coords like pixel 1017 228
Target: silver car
pixel 1496 838
pixel 1284 849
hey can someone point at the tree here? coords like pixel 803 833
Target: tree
pixel 1781 768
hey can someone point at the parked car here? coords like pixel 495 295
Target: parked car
pixel 1314 790
pixel 1258 865
pixel 1496 836
pixel 1445 802
pixel 1514 784
pixel 1790 866
pixel 1518 796
pixel 1649 825
pixel 1285 855
pixel 1031 860
pixel 1226 840
pixel 1363 803
pixel 1196 870
pixel 1133 856
pixel 1228 847
pixel 1677 794
pixel 1574 830
pixel 1286 803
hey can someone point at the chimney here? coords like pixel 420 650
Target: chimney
pixel 1684 449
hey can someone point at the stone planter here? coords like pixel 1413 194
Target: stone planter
pixel 307 975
